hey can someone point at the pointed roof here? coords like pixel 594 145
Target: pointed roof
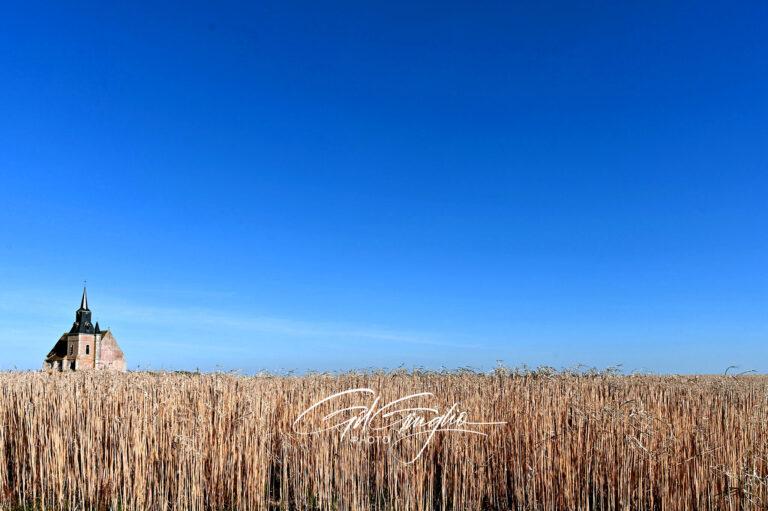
pixel 82 324
pixel 84 301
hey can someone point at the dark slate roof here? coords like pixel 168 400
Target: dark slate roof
pixel 59 350
pixel 84 301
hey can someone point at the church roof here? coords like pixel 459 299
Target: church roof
pixel 59 350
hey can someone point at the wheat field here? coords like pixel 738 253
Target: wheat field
pixel 221 441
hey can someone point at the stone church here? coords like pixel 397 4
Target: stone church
pixel 85 346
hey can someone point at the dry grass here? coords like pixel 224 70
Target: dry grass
pixel 146 441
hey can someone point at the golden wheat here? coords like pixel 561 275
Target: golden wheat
pixel 162 441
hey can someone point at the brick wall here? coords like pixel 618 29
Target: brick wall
pixel 83 350
pixel 112 356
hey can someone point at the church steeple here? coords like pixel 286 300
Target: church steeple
pixel 84 300
pixel 82 324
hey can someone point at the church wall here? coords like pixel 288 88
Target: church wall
pixel 111 355
pixel 84 349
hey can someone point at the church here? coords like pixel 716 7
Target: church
pixel 85 346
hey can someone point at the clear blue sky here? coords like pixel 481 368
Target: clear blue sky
pixel 348 185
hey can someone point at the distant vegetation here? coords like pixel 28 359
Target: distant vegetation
pixel 572 440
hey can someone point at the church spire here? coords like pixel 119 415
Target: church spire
pixel 84 300
pixel 82 324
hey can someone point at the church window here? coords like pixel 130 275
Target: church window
pixel 87 349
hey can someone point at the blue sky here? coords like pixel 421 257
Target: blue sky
pixel 294 186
